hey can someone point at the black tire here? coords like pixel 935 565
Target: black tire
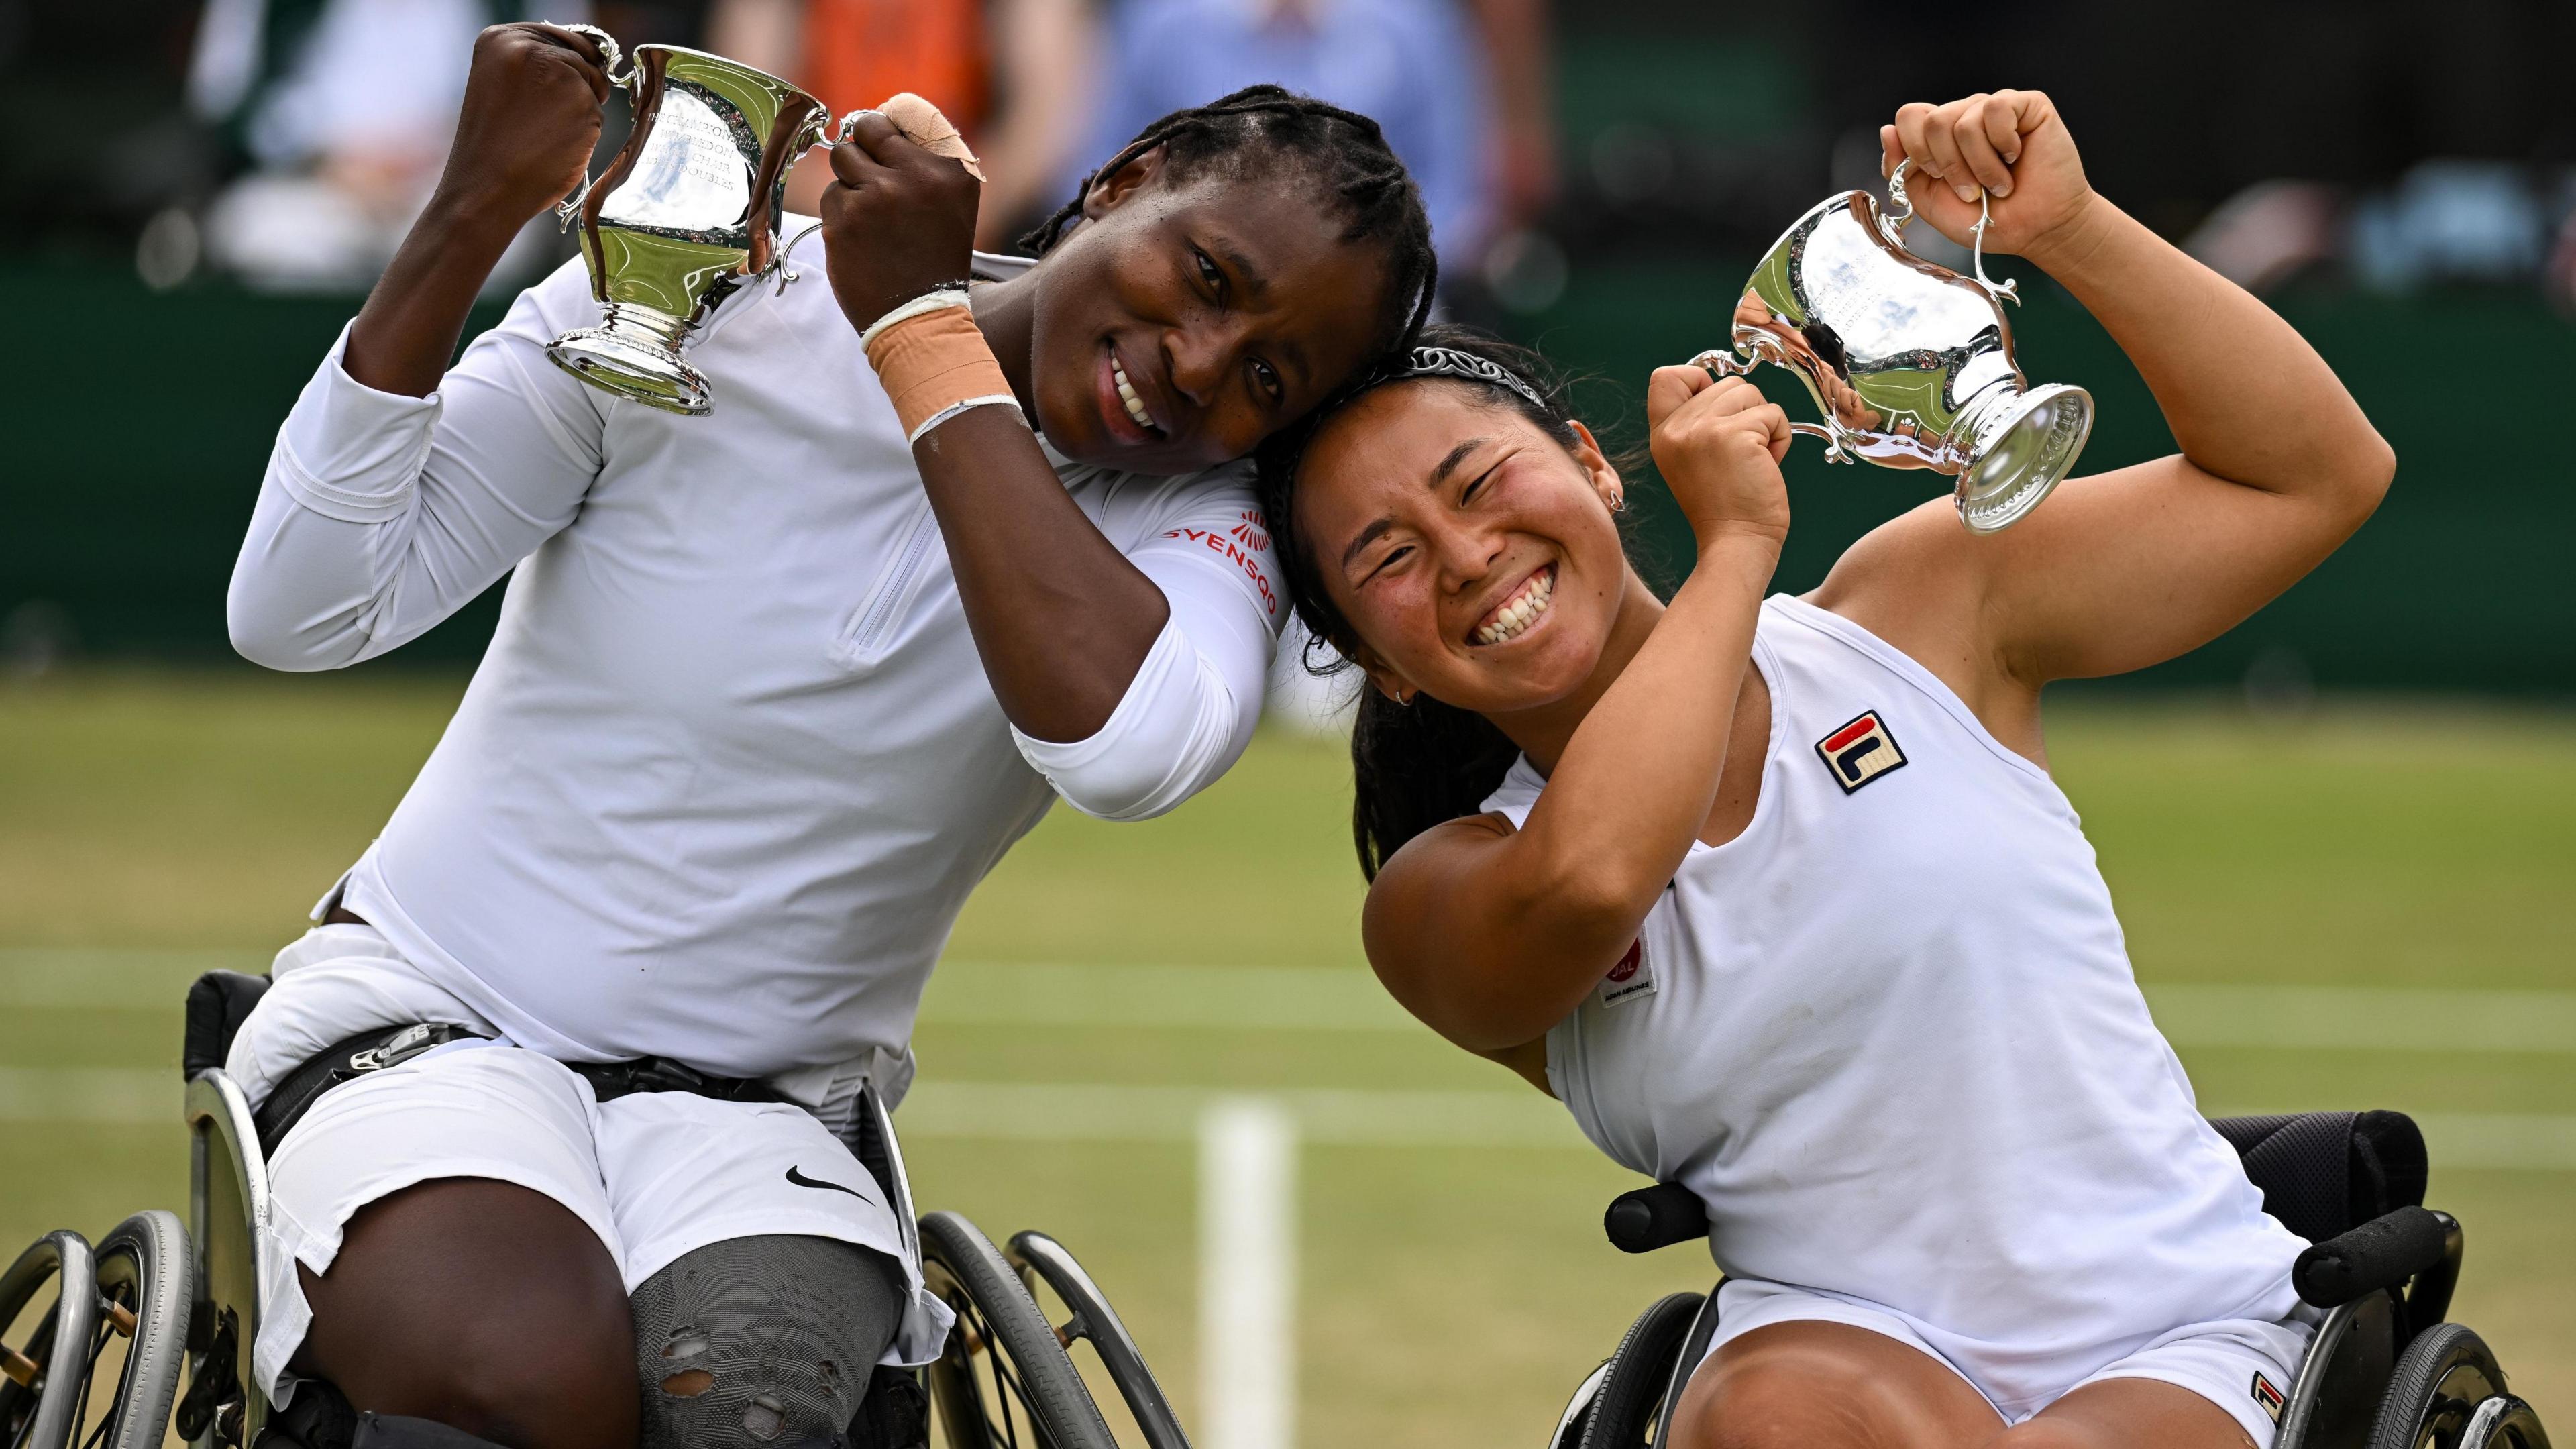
pixel 43 1411
pixel 1002 1365
pixel 2440 1380
pixel 145 1268
pixel 1631 1396
pixel 1098 1324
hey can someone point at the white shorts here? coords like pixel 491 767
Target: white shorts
pixel 656 1175
pixel 2219 1360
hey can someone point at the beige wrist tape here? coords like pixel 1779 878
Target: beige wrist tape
pixel 933 362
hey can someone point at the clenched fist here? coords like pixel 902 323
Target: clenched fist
pixel 529 122
pixel 1719 446
pixel 2010 147
pixel 898 220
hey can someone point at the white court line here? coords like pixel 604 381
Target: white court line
pixel 1102 1113
pixel 1306 998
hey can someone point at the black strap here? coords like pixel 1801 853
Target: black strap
pixel 373 1051
pixel 345 1061
pixel 612 1080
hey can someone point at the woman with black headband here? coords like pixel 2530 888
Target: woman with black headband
pixel 1778 896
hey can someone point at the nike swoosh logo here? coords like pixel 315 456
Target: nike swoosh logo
pixel 801 1180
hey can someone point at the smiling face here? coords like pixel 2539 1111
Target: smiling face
pixel 1181 324
pixel 1474 556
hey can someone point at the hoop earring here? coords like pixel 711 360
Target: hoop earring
pixel 1618 502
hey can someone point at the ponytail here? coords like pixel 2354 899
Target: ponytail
pixel 1414 766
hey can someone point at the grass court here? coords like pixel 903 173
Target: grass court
pixel 2392 888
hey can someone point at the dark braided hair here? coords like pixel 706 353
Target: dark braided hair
pixel 1341 152
pixel 1414 765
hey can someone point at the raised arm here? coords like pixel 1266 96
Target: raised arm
pixel 399 489
pixel 1062 622
pixel 1491 935
pixel 2122 569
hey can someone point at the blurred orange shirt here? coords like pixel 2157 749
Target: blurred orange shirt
pixel 858 52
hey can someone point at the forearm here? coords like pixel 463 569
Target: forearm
pixel 2246 397
pixel 406 333
pixel 1639 777
pixel 1060 618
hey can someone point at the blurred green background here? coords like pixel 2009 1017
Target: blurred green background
pixel 2271 873
pixel 119 525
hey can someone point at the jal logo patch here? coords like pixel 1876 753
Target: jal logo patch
pixel 1860 752
pixel 2267 1396
pixel 1629 979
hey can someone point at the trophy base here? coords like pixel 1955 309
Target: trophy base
pixel 2026 445
pixel 628 358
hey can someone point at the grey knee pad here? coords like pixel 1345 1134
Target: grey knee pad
pixel 762 1343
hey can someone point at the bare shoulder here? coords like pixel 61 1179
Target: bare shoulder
pixel 1921 582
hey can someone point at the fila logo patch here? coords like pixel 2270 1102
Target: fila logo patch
pixel 2267 1396
pixel 1860 752
pixel 1629 979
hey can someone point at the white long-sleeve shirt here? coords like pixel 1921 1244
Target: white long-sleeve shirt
pixel 731 763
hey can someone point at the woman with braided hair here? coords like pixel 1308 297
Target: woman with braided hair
pixel 772 689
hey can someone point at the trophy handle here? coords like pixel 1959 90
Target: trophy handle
pixel 825 132
pixel 1720 362
pixel 1901 210
pixel 610 54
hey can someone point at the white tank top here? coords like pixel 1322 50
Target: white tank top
pixel 1890 1036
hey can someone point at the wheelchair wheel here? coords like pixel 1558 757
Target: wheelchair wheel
pixel 144 1282
pixel 1003 1379
pixel 1631 1393
pixel 46 1387
pixel 2504 1422
pixel 1098 1324
pixel 2442 1378
pixel 140 1281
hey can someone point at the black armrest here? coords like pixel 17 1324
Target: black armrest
pixel 2386 1253
pixel 1654 1217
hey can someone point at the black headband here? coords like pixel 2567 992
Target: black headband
pixel 1450 362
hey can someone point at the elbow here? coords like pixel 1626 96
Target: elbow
pixel 265 638
pixel 2359 471
pixel 2374 473
pixel 2360 481
pixel 1115 794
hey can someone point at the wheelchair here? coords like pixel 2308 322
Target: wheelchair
pixel 184 1302
pixel 2384 1371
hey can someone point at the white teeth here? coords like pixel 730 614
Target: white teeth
pixel 1524 610
pixel 1127 395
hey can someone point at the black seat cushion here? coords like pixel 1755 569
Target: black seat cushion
pixel 2322 1173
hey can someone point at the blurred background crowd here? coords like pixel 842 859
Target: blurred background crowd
pixel 2400 178
pixel 2394 146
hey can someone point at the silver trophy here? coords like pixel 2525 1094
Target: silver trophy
pixel 688 210
pixel 1910 363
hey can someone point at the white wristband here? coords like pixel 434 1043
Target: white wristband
pixel 953 409
pixel 934 301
